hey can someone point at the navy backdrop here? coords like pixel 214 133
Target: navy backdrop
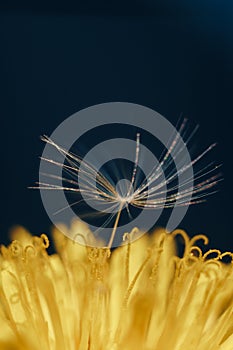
pixel 57 59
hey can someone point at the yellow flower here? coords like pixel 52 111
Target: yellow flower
pixel 141 296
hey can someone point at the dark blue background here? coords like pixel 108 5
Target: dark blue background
pixel 57 59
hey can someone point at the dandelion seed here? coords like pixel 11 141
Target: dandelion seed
pixel 157 191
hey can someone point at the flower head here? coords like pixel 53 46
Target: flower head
pixel 139 296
